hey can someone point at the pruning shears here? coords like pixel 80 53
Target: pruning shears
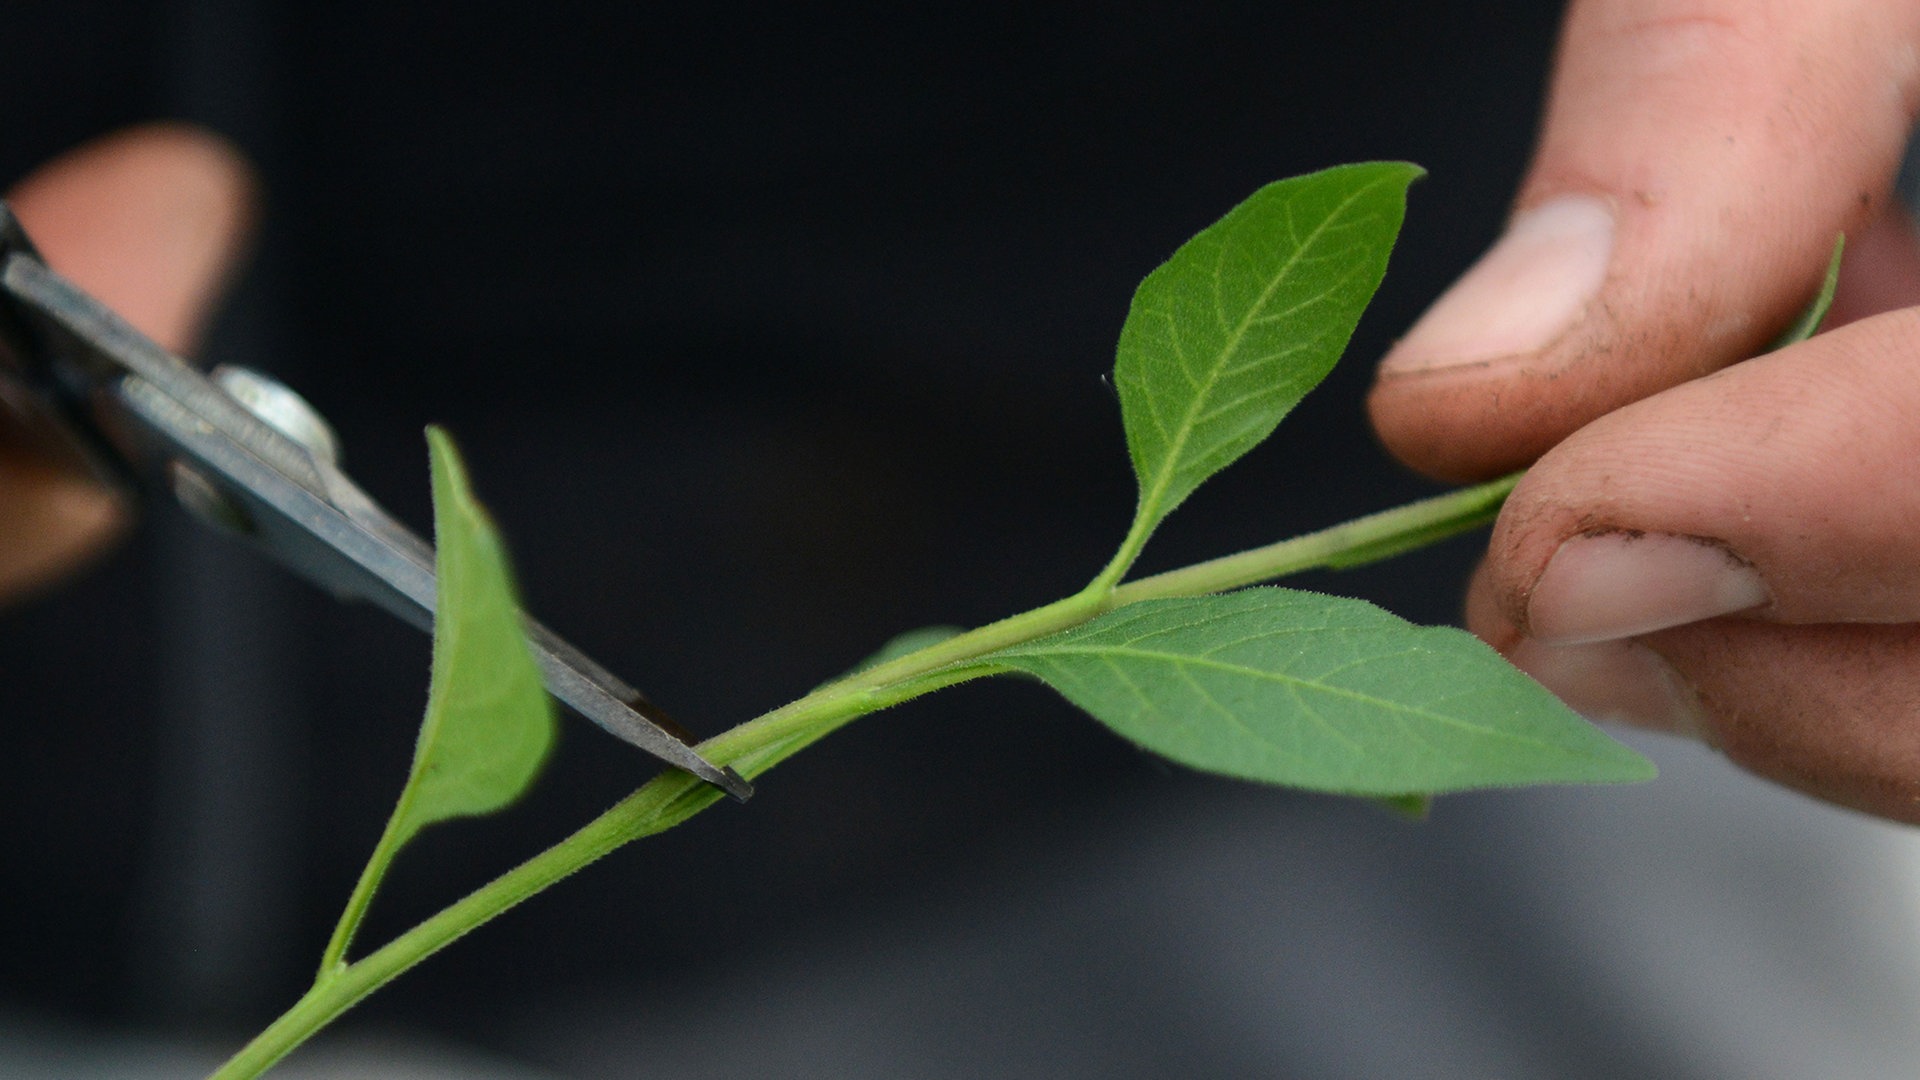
pixel 248 455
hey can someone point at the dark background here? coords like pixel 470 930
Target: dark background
pixel 768 331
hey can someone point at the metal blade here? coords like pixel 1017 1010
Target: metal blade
pixel 304 511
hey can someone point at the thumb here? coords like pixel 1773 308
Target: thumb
pixel 1697 160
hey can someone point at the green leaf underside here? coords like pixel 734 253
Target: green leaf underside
pixel 489 721
pixel 1227 336
pixel 1808 324
pixel 1320 692
pixel 911 641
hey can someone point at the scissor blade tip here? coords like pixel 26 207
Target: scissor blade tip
pixel 732 783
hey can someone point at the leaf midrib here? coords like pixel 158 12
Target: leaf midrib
pixel 1179 659
pixel 1163 477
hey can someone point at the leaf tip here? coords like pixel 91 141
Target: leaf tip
pixel 444 454
pixel 1414 808
pixel 1407 172
pixel 1637 768
pixel 453 485
pixel 1610 761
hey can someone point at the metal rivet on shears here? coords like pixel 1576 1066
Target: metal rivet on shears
pixel 247 454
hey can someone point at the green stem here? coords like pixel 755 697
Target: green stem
pixel 1353 543
pixel 336 948
pixel 1131 545
pixel 335 955
pixel 760 744
pixel 664 802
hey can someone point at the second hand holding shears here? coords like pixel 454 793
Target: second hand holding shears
pixel 242 451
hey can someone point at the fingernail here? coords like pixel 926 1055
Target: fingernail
pixel 1618 682
pixel 1602 586
pixel 1522 295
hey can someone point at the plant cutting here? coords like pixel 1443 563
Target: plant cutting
pixel 1207 665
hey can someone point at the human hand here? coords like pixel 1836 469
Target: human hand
pixel 1729 550
pixel 150 220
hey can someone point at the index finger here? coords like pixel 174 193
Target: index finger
pixel 149 220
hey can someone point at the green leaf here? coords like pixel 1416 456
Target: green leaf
pixel 1320 692
pixel 489 721
pixel 1224 340
pixel 1808 324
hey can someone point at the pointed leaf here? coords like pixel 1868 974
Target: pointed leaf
pixel 1320 692
pixel 1224 340
pixel 489 721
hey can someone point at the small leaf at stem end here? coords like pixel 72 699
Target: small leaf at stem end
pixel 1808 324
pixel 489 722
pixel 1227 336
pixel 910 641
pixel 1320 692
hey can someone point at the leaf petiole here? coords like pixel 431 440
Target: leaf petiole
pixel 392 839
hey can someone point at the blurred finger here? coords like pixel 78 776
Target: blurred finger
pixel 151 221
pixel 1831 710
